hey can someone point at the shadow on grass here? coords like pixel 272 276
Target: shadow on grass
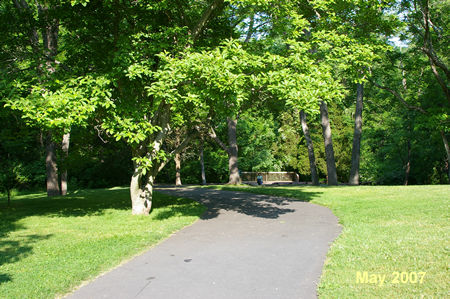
pixel 76 204
pixel 4 278
pixel 251 203
pixel 13 251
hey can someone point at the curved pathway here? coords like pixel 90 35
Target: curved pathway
pixel 245 246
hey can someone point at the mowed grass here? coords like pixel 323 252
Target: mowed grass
pixel 48 246
pixel 386 229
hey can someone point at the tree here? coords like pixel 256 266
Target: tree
pixel 20 159
pixel 328 141
pixel 49 92
pixel 309 144
pixel 157 98
pixel 354 172
pixel 352 49
pixel 231 149
pixel 202 163
pixel 427 29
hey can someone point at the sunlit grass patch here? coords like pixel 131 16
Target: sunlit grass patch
pixel 386 229
pixel 50 245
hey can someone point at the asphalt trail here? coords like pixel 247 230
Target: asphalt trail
pixel 245 246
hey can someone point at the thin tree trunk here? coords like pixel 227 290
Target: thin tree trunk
pixel 177 159
pixel 233 152
pixel 65 150
pixel 356 150
pixel 312 158
pixel 447 149
pixel 250 28
pixel 428 49
pixel 51 167
pixel 202 163
pixel 206 16
pixel 408 163
pixel 329 152
pixel 9 196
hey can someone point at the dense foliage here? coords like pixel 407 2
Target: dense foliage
pixel 134 84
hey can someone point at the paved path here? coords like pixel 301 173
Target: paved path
pixel 245 246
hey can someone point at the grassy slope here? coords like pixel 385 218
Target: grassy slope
pixel 385 229
pixel 48 246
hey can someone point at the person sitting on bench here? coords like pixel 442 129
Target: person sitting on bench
pixel 259 179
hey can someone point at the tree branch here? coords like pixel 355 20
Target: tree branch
pixel 204 19
pixel 250 28
pixel 34 37
pixel 429 50
pixel 212 134
pixel 435 60
pixel 399 97
pixel 178 150
pixel 440 81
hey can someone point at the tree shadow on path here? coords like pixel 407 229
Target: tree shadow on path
pixel 254 205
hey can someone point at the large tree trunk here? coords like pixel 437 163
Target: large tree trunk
pixel 233 152
pixel 202 163
pixel 65 150
pixel 141 185
pixel 312 158
pixel 356 150
pixel 51 167
pixel 447 149
pixel 329 152
pixel 177 159
pixel 141 193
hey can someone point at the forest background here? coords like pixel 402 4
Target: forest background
pixel 131 85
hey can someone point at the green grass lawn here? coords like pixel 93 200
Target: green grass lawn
pixel 386 229
pixel 48 246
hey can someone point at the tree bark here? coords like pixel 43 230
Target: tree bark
pixel 329 152
pixel 65 150
pixel 141 186
pixel 141 193
pixel 233 152
pixel 408 163
pixel 447 149
pixel 428 49
pixel 177 159
pixel 51 167
pixel 204 19
pixel 50 33
pixel 33 34
pixel 202 163
pixel 309 144
pixel 250 29
pixel 356 150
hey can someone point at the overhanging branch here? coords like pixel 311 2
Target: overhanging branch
pixel 204 19
pixel 178 150
pixel 399 97
pixel 212 134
